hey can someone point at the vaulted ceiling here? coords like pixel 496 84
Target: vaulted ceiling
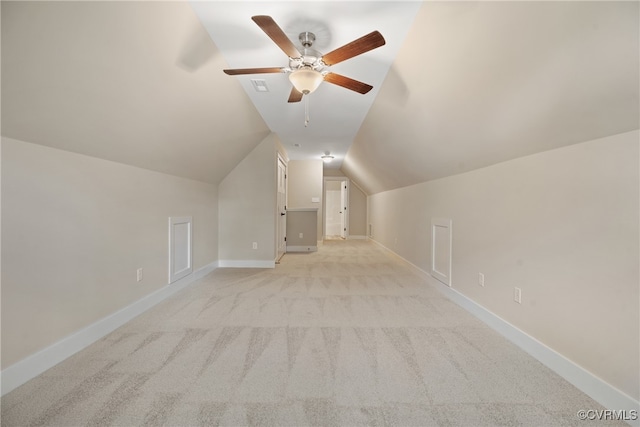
pixel 459 85
pixel 493 81
pixel 335 114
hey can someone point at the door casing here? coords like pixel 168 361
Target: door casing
pixel 345 208
pixel 281 208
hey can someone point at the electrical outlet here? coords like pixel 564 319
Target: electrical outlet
pixel 301 235
pixel 481 279
pixel 255 245
pixel 139 275
pixel 517 295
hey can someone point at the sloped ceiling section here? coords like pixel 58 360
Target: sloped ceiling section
pixel 483 82
pixel 109 80
pixel 473 84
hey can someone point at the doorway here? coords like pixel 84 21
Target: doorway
pixel 336 202
pixel 281 212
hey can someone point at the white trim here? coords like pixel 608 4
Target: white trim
pixel 173 274
pixel 281 207
pixel 346 211
pixel 593 386
pixel 246 264
pixel 352 237
pixel 302 249
pixel 35 364
pixel 443 276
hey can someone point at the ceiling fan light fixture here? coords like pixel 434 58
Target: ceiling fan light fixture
pixel 327 158
pixel 305 80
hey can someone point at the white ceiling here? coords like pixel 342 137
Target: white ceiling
pixel 459 85
pixel 335 113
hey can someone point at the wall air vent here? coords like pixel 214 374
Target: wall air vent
pixel 259 85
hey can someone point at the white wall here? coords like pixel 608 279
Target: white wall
pixel 563 225
pixel 74 231
pixel 247 209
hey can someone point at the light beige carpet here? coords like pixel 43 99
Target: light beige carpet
pixel 349 335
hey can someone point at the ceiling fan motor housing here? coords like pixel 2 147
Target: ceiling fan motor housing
pixel 310 58
pixel 307 38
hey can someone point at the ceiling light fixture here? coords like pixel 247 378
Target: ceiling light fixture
pixel 327 158
pixel 306 80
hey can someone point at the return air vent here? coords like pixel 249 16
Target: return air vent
pixel 259 85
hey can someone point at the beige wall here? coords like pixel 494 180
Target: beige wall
pixel 562 225
pixel 358 211
pixel 332 172
pixel 247 206
pixel 304 184
pixel 74 231
pixel 304 222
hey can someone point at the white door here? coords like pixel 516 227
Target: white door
pixel 282 208
pixel 343 209
pixel 336 205
pixel 333 215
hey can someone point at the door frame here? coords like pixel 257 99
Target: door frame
pixel 281 225
pixel 345 208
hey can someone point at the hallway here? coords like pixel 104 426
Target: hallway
pixel 348 335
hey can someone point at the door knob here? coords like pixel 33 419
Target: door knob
pixel 282 213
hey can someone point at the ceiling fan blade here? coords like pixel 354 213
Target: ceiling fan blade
pixel 355 48
pixel 264 70
pixel 346 82
pixel 295 96
pixel 269 26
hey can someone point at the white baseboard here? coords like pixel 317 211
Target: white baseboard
pixel 591 385
pixel 246 264
pixel 302 248
pixel 596 388
pixel 32 366
pixel 356 237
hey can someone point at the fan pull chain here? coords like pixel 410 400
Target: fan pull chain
pixel 306 110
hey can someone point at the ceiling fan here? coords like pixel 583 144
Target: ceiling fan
pixel 308 68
